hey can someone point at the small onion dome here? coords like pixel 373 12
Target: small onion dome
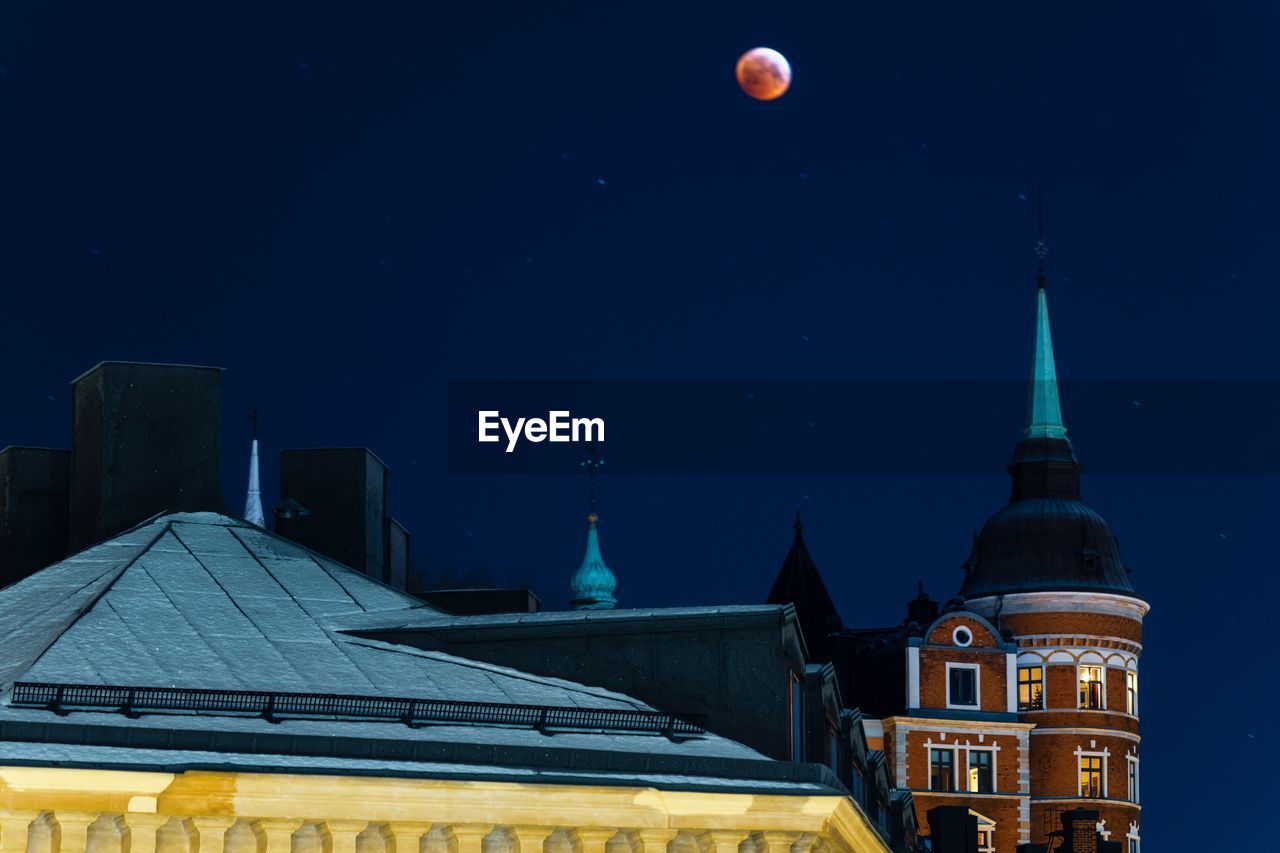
pixel 593 583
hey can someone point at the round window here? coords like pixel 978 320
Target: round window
pixel 962 636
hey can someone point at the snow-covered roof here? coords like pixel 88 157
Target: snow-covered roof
pixel 207 602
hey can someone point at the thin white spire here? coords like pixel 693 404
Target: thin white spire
pixel 253 500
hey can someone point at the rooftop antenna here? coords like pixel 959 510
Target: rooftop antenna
pixel 1042 248
pixel 592 463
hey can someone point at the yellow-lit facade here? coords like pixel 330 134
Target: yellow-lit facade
pixel 70 810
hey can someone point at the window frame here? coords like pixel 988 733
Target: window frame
pixel 990 752
pixel 976 669
pixel 1029 683
pixel 1131 692
pixel 1101 758
pixel 1134 780
pixel 1101 682
pixel 950 763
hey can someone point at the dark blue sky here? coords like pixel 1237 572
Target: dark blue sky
pixel 348 206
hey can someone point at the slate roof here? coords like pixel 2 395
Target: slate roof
pixel 205 601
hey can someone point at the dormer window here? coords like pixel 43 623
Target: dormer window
pixel 962 685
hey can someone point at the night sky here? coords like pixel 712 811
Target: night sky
pixel 347 207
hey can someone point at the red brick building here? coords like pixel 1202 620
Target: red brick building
pixel 1018 698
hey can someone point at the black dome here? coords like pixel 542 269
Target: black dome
pixel 1045 544
pixel 1046 539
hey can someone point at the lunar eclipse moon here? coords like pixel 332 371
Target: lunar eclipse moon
pixel 763 73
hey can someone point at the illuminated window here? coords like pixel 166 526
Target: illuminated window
pixel 981 779
pixel 1030 688
pixel 962 685
pixel 1131 693
pixel 1133 779
pixel 1091 776
pixel 1092 690
pixel 942 770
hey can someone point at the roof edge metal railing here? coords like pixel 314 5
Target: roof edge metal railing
pixel 275 706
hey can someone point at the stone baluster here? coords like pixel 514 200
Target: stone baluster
pixel 528 839
pixel 775 842
pixel 653 840
pixel 470 836
pixel 343 834
pixel 279 833
pixel 142 831
pixel 594 840
pixel 722 841
pixel 73 830
pixel 13 830
pixel 406 836
pixel 211 832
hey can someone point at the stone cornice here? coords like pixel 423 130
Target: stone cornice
pixel 1017 603
pixel 932 723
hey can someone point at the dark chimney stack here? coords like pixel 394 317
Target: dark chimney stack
pixel 33 510
pixel 1080 831
pixel 922 609
pixel 145 439
pixel 344 493
pixel 952 829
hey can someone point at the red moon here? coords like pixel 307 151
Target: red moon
pixel 763 73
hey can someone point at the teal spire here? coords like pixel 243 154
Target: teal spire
pixel 1044 412
pixel 593 583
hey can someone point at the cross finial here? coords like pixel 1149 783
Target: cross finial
pixel 1042 248
pixel 591 463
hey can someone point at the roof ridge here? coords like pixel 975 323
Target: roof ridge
pixel 97 597
pixel 320 560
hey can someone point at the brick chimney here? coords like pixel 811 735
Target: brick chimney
pixel 1080 831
